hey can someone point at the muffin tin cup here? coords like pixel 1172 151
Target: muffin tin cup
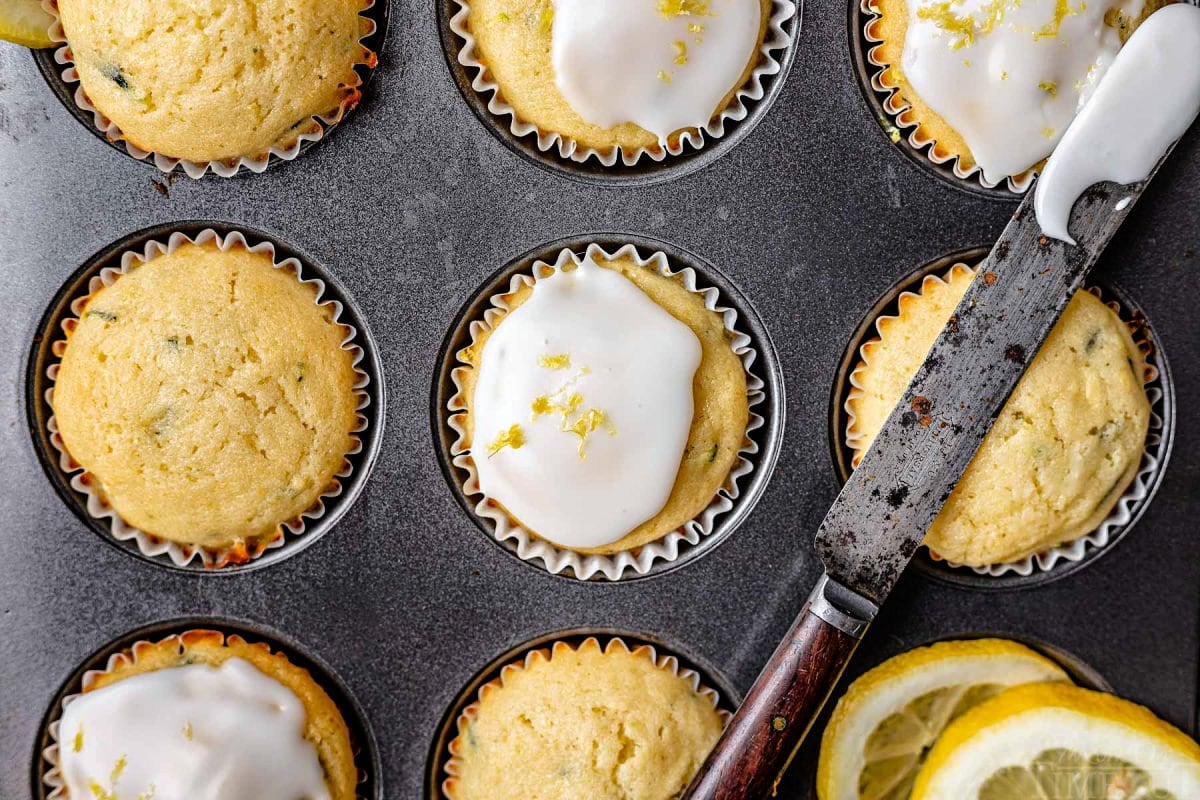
pixel 689 150
pixel 58 68
pixel 444 764
pixel 731 503
pixel 1058 561
pixel 901 126
pixel 85 494
pixel 49 783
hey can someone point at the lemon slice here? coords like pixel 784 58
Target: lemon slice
pixel 888 719
pixel 1059 742
pixel 25 22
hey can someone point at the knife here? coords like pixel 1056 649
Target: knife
pixel 880 517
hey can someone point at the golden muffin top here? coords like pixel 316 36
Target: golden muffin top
pixel 208 394
pixel 1064 448
pixel 209 80
pixel 602 724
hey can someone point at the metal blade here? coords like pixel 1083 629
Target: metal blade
pixel 1020 290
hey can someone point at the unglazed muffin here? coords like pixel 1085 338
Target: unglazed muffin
pixel 605 407
pixel 1005 78
pixel 590 72
pixel 1063 450
pixel 216 80
pixel 208 396
pixel 605 724
pixel 200 712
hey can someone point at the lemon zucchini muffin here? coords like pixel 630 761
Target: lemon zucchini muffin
pixel 216 80
pixel 605 406
pixel 993 85
pixel 1061 453
pixel 203 713
pixel 208 397
pixel 583 722
pixel 631 75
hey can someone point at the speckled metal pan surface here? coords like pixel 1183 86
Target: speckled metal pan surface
pixel 811 215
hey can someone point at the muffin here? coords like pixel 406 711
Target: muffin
pixel 216 80
pixel 603 404
pixel 1063 450
pixel 627 75
pixel 584 722
pixel 208 396
pixel 995 85
pixel 203 714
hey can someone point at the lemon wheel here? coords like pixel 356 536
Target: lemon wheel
pixel 1060 742
pixel 885 724
pixel 25 22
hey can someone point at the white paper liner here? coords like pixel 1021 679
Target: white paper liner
pixel 776 39
pixel 1127 505
pixel 453 766
pixel 902 117
pixel 230 167
pixel 667 548
pixel 87 485
pixel 53 777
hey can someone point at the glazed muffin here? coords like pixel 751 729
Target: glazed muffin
pixel 208 397
pixel 218 79
pixel 202 713
pixel 585 722
pixel 605 407
pixel 1061 453
pixel 995 85
pixel 629 74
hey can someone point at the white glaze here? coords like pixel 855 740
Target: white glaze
pixel 630 359
pixel 193 732
pixel 615 61
pixel 1009 92
pixel 1149 97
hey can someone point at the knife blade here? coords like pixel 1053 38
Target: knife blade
pixel 879 518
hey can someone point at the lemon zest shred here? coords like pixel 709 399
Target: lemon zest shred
pixel 559 361
pixel 514 437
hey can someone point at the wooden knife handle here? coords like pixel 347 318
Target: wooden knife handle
pixel 789 693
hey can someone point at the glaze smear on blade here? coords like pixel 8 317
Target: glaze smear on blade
pixel 583 406
pixel 1148 99
pixel 196 732
pixel 664 65
pixel 1009 75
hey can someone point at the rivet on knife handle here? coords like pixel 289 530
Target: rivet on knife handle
pixel 760 741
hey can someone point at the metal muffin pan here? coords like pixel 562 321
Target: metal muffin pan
pixel 1159 438
pixel 771 407
pixel 39 410
pixel 412 205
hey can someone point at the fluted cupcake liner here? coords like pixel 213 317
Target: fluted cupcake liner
pixel 1127 507
pixel 777 41
pixel 52 778
pixel 533 548
pixel 904 120
pixel 453 766
pixel 313 129
pixel 96 503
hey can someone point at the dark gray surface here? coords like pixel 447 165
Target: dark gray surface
pixel 411 203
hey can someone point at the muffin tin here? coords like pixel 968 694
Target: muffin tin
pixel 810 216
